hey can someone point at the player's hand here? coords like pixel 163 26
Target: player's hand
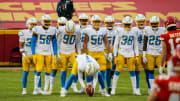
pixel 106 55
pixel 58 58
pixel 110 57
pixel 34 58
pixel 161 70
pixel 144 58
pixel 137 60
pixel 23 54
pixel 55 59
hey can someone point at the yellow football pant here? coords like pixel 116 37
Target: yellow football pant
pixel 74 68
pixel 44 61
pixel 120 63
pixel 65 59
pixel 140 63
pixel 153 60
pixel 100 58
pixel 108 64
pixel 27 63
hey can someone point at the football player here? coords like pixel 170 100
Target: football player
pixel 42 43
pixel 70 39
pixel 60 22
pixel 141 26
pixel 152 47
pixel 167 87
pixel 94 41
pixel 170 40
pixel 109 24
pixel 126 38
pixel 83 63
pixel 25 49
pixel 83 24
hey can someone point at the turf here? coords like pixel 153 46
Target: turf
pixel 11 87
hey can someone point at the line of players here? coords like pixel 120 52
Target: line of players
pixel 46 46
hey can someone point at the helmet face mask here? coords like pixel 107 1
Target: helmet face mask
pixel 61 21
pixel 154 25
pixel 96 23
pixel 47 23
pixel 83 22
pixel 141 24
pixel 127 26
pixel 109 25
pixel 127 23
pixel 30 23
pixel 61 24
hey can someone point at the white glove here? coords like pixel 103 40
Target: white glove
pixel 110 57
pixel 160 50
pixel 106 55
pixel 144 57
pixel 23 54
pixel 161 70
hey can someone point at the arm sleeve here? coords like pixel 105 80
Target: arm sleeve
pixel 80 78
pixel 21 36
pixel 116 43
pixel 33 44
pixel 136 45
pixel 54 41
pixel 95 80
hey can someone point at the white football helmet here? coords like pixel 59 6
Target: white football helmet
pixel 70 27
pixel 31 22
pixel 96 21
pixel 154 22
pixel 127 23
pixel 61 21
pixel 46 21
pixel 140 21
pixel 109 22
pixel 90 69
pixel 83 19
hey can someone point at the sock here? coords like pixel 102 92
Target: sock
pixel 69 81
pixel 36 79
pixel 52 80
pixel 24 79
pixel 101 80
pixel 89 80
pixel 151 80
pixel 137 78
pixel 39 84
pixel 114 67
pixel 108 79
pixel 75 79
pixel 133 80
pixel 147 77
pixel 115 79
pixel 47 80
pixel 63 78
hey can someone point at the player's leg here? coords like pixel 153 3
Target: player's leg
pixel 151 64
pixel 131 68
pixel 39 68
pixel 70 79
pixel 48 65
pixel 137 72
pixel 63 70
pixel 74 84
pixel 119 60
pixel 146 70
pixel 25 66
pixel 108 78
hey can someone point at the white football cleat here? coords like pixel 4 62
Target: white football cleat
pixel 138 91
pixel 149 91
pixel 63 92
pixel 46 93
pixel 73 86
pixel 113 92
pixel 36 91
pixel 24 92
pixel 104 93
pixel 81 91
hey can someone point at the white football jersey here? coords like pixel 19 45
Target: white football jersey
pixel 44 41
pixel 127 41
pixel 25 36
pixel 82 36
pixel 83 59
pixel 154 43
pixel 140 37
pixel 111 36
pixel 68 43
pixel 96 42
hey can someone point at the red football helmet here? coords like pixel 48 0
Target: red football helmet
pixel 170 21
pixel 176 60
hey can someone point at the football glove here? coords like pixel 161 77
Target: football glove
pixel 34 58
pixel 137 60
pixel 58 58
pixel 55 59
pixel 161 70
pixel 110 57
pixel 106 55
pixel 144 57
pixel 25 59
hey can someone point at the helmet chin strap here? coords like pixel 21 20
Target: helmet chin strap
pixel 110 28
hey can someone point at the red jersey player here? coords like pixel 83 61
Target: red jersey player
pixel 170 40
pixel 166 87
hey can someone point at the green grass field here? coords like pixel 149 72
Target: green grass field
pixel 11 87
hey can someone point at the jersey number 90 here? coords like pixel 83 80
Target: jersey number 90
pixel 69 39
